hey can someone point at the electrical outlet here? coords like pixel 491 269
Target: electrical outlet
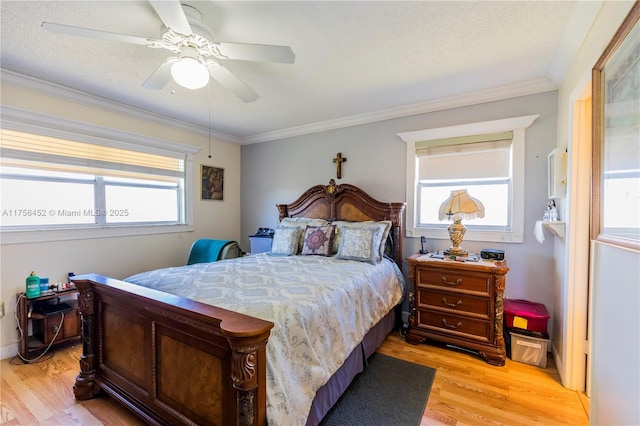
pixel 1 309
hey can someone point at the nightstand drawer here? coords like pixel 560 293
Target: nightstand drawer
pixel 471 328
pixel 46 329
pixel 466 304
pixel 454 280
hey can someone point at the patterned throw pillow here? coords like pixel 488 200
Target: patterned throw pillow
pixel 317 240
pixel 285 241
pixel 361 244
pixel 302 223
pixel 383 225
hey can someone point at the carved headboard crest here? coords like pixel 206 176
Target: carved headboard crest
pixel 330 189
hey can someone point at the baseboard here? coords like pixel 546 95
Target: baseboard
pixel 8 351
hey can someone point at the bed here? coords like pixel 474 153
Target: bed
pixel 173 359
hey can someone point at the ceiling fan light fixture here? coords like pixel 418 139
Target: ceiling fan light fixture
pixel 190 73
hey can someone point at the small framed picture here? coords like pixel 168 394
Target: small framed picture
pixel 212 183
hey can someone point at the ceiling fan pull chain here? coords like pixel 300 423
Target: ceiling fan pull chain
pixel 209 128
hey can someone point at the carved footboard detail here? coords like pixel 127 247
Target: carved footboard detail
pixel 170 360
pixel 244 373
pixel 85 386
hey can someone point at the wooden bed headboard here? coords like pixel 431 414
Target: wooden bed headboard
pixel 349 203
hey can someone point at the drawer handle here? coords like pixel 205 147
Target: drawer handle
pixel 458 281
pixel 444 321
pixel 453 305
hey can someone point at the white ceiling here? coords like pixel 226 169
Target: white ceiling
pixel 356 61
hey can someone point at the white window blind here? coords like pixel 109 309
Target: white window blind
pixel 488 157
pixel 23 149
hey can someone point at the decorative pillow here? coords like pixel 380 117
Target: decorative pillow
pixel 317 240
pixel 361 244
pixel 383 225
pixel 285 241
pixel 302 223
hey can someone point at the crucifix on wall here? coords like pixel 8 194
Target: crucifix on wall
pixel 339 160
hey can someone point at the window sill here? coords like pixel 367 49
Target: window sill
pixel 470 235
pixel 65 234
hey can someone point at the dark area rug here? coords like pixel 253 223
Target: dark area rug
pixel 388 392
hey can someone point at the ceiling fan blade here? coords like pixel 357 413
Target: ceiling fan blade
pixel 161 76
pixel 233 83
pixel 97 34
pixel 257 52
pixel 172 15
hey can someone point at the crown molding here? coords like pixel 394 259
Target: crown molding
pixel 496 94
pixel 21 81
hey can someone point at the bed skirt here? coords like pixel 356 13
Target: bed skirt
pixel 329 394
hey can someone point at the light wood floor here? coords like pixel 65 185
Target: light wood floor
pixel 466 391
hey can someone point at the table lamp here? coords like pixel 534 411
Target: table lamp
pixel 460 205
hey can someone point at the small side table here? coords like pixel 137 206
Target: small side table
pixel 46 328
pixel 260 244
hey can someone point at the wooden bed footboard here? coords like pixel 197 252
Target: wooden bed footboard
pixel 171 360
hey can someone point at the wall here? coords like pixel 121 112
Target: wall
pixel 117 257
pixel 615 301
pixel 615 337
pixel 279 171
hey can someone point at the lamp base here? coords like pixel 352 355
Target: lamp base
pixel 456 233
pixel 456 251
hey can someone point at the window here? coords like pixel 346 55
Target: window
pixel 485 158
pixel 615 188
pixel 87 186
pixel 483 168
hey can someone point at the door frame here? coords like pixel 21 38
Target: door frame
pixel 577 295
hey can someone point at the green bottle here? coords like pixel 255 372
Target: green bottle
pixel 33 285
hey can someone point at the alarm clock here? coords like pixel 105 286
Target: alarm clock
pixel 492 254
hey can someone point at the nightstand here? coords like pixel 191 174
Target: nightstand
pixel 260 243
pixel 50 327
pixel 458 303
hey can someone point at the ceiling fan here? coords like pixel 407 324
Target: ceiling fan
pixel 198 57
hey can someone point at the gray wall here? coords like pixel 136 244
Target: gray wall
pixel 279 171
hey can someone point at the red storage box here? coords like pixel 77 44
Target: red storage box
pixel 526 315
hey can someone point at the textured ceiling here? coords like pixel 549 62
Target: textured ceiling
pixel 355 60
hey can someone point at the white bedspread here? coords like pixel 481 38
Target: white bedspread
pixel 321 307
